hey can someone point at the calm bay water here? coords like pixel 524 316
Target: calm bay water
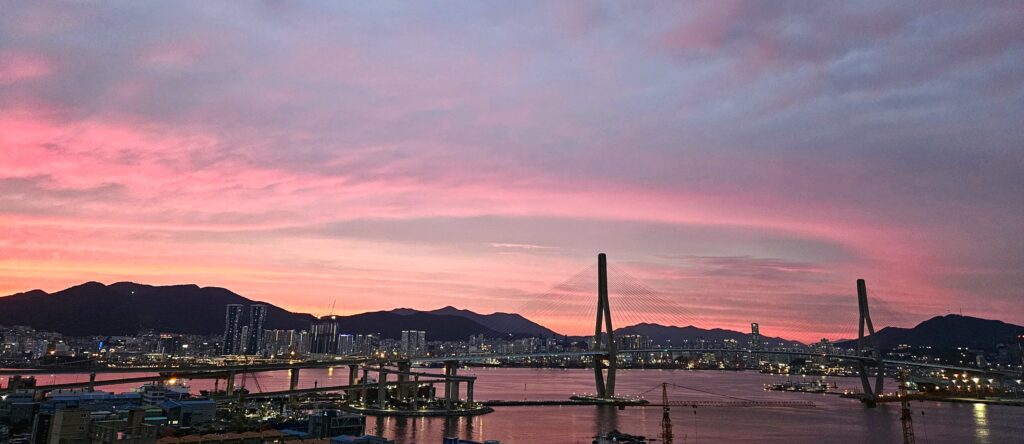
pixel 833 420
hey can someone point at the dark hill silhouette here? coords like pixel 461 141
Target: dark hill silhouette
pixel 125 308
pixel 389 324
pixel 508 323
pixel 661 334
pixel 946 332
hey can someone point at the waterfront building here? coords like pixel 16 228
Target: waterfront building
pixel 413 342
pixel 346 344
pixel 328 423
pixel 405 342
pixel 154 394
pixel 69 426
pixel 243 344
pixel 283 342
pixel 257 316
pixel 303 342
pixel 324 336
pixel 421 343
pixel 232 329
pixel 132 430
pixel 189 412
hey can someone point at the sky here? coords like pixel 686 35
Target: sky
pixel 745 161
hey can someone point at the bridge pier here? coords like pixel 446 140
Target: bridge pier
pixel 353 374
pixel 293 383
pixel 469 391
pixel 366 388
pixel 382 388
pixel 229 386
pixel 451 388
pixel 403 379
pixel 92 381
pixel 416 392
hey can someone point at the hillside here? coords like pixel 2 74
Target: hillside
pixel 662 334
pixel 946 332
pixel 508 323
pixel 125 308
pixel 389 324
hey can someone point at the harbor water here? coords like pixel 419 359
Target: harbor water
pixel 832 419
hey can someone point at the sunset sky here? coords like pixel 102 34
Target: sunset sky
pixel 746 160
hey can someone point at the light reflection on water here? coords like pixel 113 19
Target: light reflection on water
pixel 981 422
pixel 834 420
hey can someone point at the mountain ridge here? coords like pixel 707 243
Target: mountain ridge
pixel 946 332
pixel 125 308
pixel 508 323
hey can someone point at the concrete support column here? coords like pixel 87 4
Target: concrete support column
pixel 416 392
pixel 382 388
pixel 451 388
pixel 293 379
pixel 403 379
pixel 92 381
pixel 353 374
pixel 366 378
pixel 455 384
pixel 293 383
pixel 229 388
pixel 469 391
pixel 449 366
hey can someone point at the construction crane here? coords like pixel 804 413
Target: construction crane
pixel 666 420
pixel 906 417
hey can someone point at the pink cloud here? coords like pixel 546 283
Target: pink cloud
pixel 16 66
pixel 418 159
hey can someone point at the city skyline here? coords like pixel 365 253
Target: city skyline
pixel 746 162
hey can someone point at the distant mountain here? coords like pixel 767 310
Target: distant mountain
pixel 662 334
pixel 946 332
pixel 508 323
pixel 389 324
pixel 125 308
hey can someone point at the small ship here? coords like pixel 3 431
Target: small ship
pixel 806 387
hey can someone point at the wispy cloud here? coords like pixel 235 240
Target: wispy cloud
pixel 726 149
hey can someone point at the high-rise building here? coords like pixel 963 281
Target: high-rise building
pixel 346 344
pixel 243 344
pixel 413 342
pixel 232 329
pixel 279 342
pixel 257 314
pixel 324 334
pixel 421 343
pixel 406 346
pixel 302 342
pixel 755 336
pixel 360 345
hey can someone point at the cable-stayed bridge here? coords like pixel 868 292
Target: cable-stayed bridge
pixel 637 299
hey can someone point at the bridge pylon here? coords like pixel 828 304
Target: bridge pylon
pixel 604 340
pixel 867 348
